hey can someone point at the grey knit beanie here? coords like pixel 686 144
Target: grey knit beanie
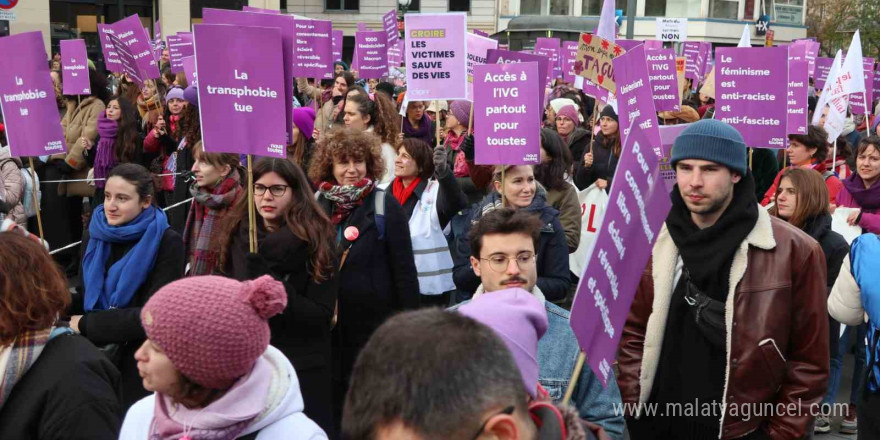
pixel 712 140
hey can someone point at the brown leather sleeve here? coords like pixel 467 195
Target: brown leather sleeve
pixel 629 356
pixel 806 375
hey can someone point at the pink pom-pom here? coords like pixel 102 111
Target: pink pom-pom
pixel 266 295
pixel 351 233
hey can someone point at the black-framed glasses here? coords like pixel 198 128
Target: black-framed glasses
pixel 509 411
pixel 499 262
pixel 276 190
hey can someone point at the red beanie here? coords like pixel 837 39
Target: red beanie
pixel 213 329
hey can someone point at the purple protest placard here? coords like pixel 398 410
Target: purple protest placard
pixel 189 69
pixel 498 56
pixel 550 48
pixel 635 102
pixel 639 205
pixel 569 57
pixel 362 27
pixel 259 10
pixel 389 23
pixel 664 82
pixel 130 65
pixel 705 58
pixel 371 54
pixel 627 44
pixel 28 104
pixel 394 57
pixel 857 100
pixel 157 43
pixel 481 33
pixel 180 46
pixel 798 89
pixel 876 82
pixel 337 45
pixel 694 68
pixel 262 19
pixel 241 91
pixel 751 88
pixel 506 114
pixel 653 44
pixel 75 68
pixel 812 53
pixel 313 49
pixel 477 53
pixel 436 56
pixel 820 75
pixel 111 58
pixel 130 31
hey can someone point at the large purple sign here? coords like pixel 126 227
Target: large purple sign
pixel 130 65
pixel 569 57
pixel 812 53
pixel 664 82
pixel 857 100
pixel 337 45
pixel 693 53
pixel 638 206
pixel 28 105
pixel 498 56
pixel 635 103
pixel 371 54
pixel 507 114
pixel 389 23
pixel 798 89
pixel 550 48
pixel 75 68
pixel 477 53
pixel 313 49
pixel 130 31
pixel 180 46
pixel 751 93
pixel 111 58
pixel 820 75
pixel 241 89
pixel 436 56
pixel 262 19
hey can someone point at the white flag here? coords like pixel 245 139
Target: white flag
pixel 746 39
pixel 851 78
pixel 607 28
pixel 825 97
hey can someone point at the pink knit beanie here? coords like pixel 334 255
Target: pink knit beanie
pixel 213 329
pixel 570 112
pixel 461 109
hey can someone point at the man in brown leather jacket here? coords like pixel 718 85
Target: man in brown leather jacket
pixel 727 336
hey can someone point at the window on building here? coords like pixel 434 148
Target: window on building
pixel 530 7
pixel 459 5
pixel 788 11
pixel 594 7
pixel 723 9
pixel 655 8
pixel 560 7
pixel 682 8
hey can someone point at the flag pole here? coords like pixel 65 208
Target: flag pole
pixel 578 366
pixel 36 201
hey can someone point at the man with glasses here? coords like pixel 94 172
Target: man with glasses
pixel 503 255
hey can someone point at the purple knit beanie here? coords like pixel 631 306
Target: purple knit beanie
pixel 570 112
pixel 191 95
pixel 461 109
pixel 520 320
pixel 304 119
pixel 213 329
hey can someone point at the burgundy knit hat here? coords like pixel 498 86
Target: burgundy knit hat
pixel 213 329
pixel 570 112
pixel 461 109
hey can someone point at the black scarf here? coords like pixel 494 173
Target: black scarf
pixel 708 253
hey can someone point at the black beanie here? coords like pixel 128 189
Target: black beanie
pixel 609 112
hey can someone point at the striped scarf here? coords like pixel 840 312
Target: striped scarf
pixel 208 209
pixel 25 351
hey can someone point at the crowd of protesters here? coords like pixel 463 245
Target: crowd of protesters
pixel 161 321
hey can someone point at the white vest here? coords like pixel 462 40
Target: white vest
pixel 431 251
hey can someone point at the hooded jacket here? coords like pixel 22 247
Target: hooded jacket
pixel 282 416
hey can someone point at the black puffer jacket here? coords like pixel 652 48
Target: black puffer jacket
pixel 604 164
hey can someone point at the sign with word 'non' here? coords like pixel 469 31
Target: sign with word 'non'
pixel 671 29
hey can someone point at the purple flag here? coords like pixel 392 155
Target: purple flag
pixel 389 21
pixel 189 69
pixel 313 49
pixel 550 48
pixel 506 114
pixel 75 68
pixel 478 51
pixel 241 91
pixel 751 93
pixel 664 82
pixel 436 56
pixel 820 75
pixel 498 56
pixel 28 105
pixel 635 103
pixel 798 89
pixel 130 65
pixel 337 45
pixel 371 53
pixel 569 57
pixel 111 58
pixel 259 10
pixel 857 100
pixel 180 46
pixel 639 205
pixel 129 31
pixel 280 21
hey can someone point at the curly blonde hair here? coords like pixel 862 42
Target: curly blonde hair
pixel 343 144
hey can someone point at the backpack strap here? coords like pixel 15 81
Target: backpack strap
pixel 827 174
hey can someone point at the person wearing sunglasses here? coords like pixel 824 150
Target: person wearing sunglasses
pixel 295 245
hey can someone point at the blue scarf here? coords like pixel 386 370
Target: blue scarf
pixel 863 257
pixel 116 287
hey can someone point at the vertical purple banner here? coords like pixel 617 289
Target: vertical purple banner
pixel 130 31
pixel 262 19
pixel 371 53
pixel 569 57
pixel 28 105
pixel 664 82
pixel 478 51
pixel 436 56
pixel 694 68
pixel 798 89
pixel 857 100
pixel 751 89
pixel 259 10
pixel 180 46
pixel 507 114
pixel 189 69
pixel 337 45
pixel 241 91
pixel 313 49
pixel 389 22
pixel 498 56
pixel 635 102
pixel 130 66
pixel 820 75
pixel 111 58
pixel 639 205
pixel 75 68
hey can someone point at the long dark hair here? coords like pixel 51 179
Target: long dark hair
pixel 304 218
pixel 190 126
pixel 127 136
pixel 383 117
pixel 552 174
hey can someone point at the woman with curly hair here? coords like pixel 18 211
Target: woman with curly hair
pixel 377 275
pixel 375 114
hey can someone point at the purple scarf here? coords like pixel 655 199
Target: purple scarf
pixel 867 198
pixel 423 132
pixel 105 151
